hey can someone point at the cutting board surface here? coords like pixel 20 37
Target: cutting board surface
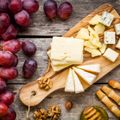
pixel 59 78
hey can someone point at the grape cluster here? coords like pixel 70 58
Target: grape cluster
pixel 14 14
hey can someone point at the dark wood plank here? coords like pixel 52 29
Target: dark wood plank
pixel 41 26
pixel 59 97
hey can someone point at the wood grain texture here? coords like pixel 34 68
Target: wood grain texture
pixel 41 27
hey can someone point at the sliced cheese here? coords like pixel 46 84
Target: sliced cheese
pixel 94 68
pixel 95 20
pixel 99 28
pixel 118 44
pixel 111 55
pixel 109 37
pixel 89 44
pixel 83 34
pixel 93 52
pixel 78 86
pixel 117 29
pixel 67 50
pixel 69 86
pixel 86 76
pixel 106 18
pixel 103 48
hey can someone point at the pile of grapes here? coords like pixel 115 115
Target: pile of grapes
pixel 14 14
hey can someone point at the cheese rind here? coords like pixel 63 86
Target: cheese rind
pixel 106 18
pixel 117 29
pixel 118 44
pixel 86 76
pixel 94 68
pixel 69 86
pixel 109 37
pixel 111 55
pixel 78 85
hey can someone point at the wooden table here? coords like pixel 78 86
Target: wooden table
pixel 40 32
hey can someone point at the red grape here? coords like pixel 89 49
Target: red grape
pixel 4 22
pixel 65 10
pixel 4 5
pixel 6 58
pixel 29 68
pixel 15 6
pixel 22 18
pixel 12 45
pixel 3 109
pixel 11 115
pixel 10 33
pixel 3 85
pixel 15 61
pixel 29 48
pixel 30 6
pixel 8 73
pixel 50 9
pixel 7 97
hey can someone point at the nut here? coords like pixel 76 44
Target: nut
pixel 68 105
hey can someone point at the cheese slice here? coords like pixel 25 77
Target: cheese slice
pixel 78 86
pixel 99 28
pixel 86 76
pixel 103 48
pixel 69 86
pixel 118 44
pixel 94 68
pixel 95 20
pixel 89 44
pixel 117 29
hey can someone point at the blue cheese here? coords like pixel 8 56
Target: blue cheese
pixel 117 29
pixel 106 18
pixel 111 55
pixel 109 37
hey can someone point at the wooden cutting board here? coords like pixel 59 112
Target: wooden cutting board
pixel 27 91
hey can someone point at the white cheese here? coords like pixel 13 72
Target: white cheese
pixel 99 28
pixel 69 86
pixel 109 37
pixel 111 55
pixel 83 34
pixel 117 29
pixel 95 20
pixel 78 85
pixel 67 49
pixel 86 76
pixel 94 68
pixel 106 18
pixel 118 44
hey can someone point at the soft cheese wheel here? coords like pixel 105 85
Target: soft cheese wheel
pixel 86 76
pixel 94 68
pixel 78 86
pixel 69 86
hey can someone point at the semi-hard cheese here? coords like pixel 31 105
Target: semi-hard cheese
pixel 67 49
pixel 117 29
pixel 99 28
pixel 111 55
pixel 69 86
pixel 86 76
pixel 109 37
pixel 94 68
pixel 78 86
pixel 106 18
pixel 95 20
pixel 103 48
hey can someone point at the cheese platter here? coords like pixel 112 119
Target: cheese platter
pixel 83 57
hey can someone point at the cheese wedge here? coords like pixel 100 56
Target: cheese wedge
pixel 99 28
pixel 78 86
pixel 95 20
pixel 94 68
pixel 86 76
pixel 69 86
pixel 103 48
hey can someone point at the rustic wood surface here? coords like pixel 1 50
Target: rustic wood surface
pixel 40 32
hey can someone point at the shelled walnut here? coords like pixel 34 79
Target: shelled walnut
pixel 40 114
pixel 54 112
pixel 45 83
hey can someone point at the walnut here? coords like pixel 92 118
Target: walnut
pixel 68 105
pixel 40 114
pixel 45 83
pixel 54 112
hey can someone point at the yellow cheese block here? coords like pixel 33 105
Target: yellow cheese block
pixel 99 28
